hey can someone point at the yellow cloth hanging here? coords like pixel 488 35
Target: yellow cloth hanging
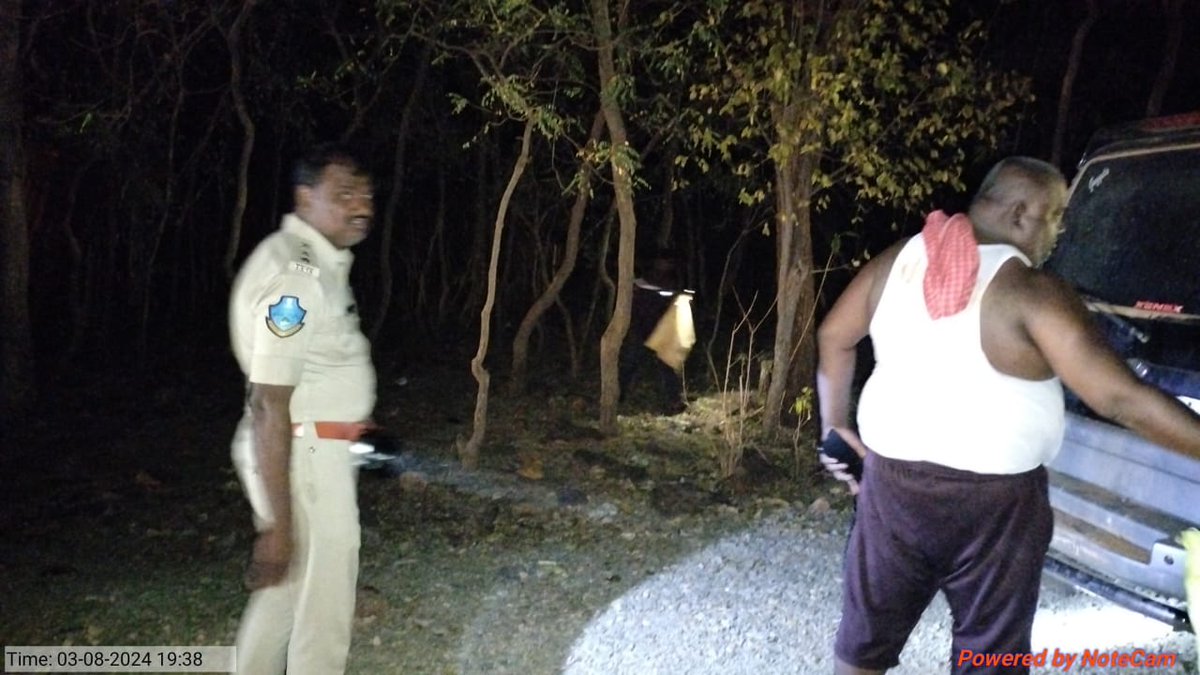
pixel 674 335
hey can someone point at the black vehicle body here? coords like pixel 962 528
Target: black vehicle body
pixel 1132 249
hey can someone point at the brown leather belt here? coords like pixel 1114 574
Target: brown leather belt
pixel 341 431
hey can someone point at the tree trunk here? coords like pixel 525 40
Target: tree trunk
pixel 1068 81
pixel 234 40
pixel 729 272
pixel 603 283
pixel 572 343
pixel 468 453
pixel 16 340
pixel 393 204
pixel 200 277
pixel 794 295
pixel 697 262
pixel 447 287
pixel 666 226
pixel 1166 72
pixel 77 273
pixel 472 288
pixel 278 176
pixel 622 170
pixel 146 275
pixel 550 295
pixel 421 305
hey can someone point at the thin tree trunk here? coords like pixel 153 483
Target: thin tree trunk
pixel 1166 72
pixel 603 280
pixel 794 302
pixel 199 275
pixel 16 340
pixel 76 274
pixel 146 275
pixel 277 172
pixel 435 247
pixel 666 227
pixel 570 254
pixel 506 277
pixel 386 275
pixel 729 272
pixel 468 453
pixel 447 288
pixel 1068 81
pixel 622 170
pixel 470 280
pixel 104 301
pixel 572 346
pixel 234 41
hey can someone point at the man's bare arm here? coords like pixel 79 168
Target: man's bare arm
pixel 846 324
pixel 270 405
pixel 1062 329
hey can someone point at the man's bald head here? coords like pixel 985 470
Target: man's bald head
pixel 1012 175
pixel 1020 202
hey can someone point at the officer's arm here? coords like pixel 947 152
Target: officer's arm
pixel 273 446
pixel 273 450
pixel 1059 324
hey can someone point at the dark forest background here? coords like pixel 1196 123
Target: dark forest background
pixel 146 147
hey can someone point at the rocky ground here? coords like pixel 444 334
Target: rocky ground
pixel 124 523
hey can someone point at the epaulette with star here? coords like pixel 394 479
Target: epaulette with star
pixel 303 262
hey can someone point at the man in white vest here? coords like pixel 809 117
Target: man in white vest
pixel 964 407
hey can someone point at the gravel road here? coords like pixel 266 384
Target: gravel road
pixel 762 600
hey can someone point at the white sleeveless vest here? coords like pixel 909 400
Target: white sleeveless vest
pixel 933 395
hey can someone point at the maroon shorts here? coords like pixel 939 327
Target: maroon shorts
pixel 921 528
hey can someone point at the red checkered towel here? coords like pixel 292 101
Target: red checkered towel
pixel 953 263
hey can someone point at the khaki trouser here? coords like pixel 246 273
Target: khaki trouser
pixel 304 624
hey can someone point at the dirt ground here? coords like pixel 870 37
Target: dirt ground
pixel 124 523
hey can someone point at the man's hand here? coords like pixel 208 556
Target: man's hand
pixel 839 469
pixel 270 560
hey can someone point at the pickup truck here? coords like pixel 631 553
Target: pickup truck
pixel 1132 249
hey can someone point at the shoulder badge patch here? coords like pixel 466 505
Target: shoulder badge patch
pixel 286 317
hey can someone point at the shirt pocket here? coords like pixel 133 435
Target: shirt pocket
pixel 340 340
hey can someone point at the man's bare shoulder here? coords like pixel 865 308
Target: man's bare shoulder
pixel 878 270
pixel 1034 323
pixel 880 266
pixel 1019 285
pixel 848 320
pixel 885 259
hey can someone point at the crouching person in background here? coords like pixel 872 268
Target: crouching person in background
pixel 661 335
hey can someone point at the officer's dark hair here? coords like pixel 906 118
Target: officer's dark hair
pixel 308 168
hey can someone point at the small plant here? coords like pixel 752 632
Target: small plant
pixel 802 408
pixel 738 399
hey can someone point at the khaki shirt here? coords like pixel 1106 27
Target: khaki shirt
pixel 293 321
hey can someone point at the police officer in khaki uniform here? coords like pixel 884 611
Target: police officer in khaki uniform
pixel 311 390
